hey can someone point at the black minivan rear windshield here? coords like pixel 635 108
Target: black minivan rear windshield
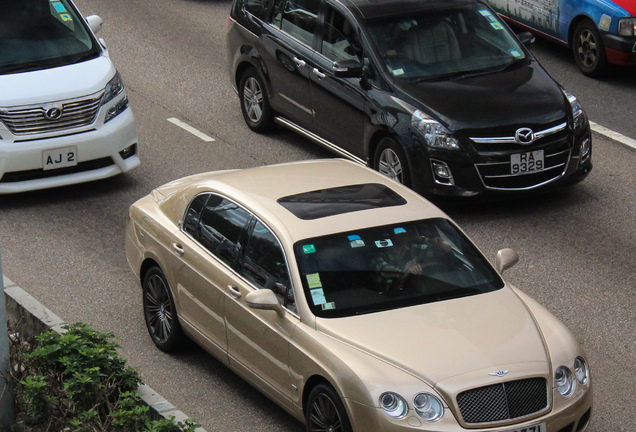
pixel 40 34
pixel 446 43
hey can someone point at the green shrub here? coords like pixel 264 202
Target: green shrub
pixel 76 381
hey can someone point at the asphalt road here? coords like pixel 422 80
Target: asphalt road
pixel 65 246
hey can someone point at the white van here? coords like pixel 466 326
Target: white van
pixel 64 112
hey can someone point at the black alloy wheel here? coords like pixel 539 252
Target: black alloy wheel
pixel 255 106
pixel 325 411
pixel 390 160
pixel 160 313
pixel 588 49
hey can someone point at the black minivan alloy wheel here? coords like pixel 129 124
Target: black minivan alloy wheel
pixel 160 313
pixel 325 411
pixel 254 103
pixel 390 160
pixel 588 48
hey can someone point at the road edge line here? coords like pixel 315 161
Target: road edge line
pixel 33 318
pixel 613 135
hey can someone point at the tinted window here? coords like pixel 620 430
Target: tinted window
pixel 221 226
pixel 191 219
pixel 264 265
pixel 339 41
pixel 390 267
pixel 258 8
pixel 37 34
pixel 297 17
pixel 329 202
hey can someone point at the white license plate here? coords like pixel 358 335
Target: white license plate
pixel 522 163
pixel 59 158
pixel 534 428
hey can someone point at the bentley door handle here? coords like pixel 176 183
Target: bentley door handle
pixel 318 73
pixel 178 248
pixel 234 291
pixel 299 62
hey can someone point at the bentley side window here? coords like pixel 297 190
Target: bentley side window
pixel 264 265
pixel 297 18
pixel 191 219
pixel 221 227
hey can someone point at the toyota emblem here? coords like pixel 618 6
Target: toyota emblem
pixel 524 136
pixel 53 113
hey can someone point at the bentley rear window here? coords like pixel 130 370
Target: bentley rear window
pixel 334 201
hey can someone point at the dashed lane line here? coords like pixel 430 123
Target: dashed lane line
pixel 613 135
pixel 190 129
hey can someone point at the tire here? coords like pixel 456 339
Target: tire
pixel 325 411
pixel 390 160
pixel 589 50
pixel 257 112
pixel 160 313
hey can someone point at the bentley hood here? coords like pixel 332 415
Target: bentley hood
pixel 445 339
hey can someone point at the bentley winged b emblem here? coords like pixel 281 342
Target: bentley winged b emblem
pixel 499 373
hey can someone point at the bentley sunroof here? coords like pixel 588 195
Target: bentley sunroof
pixel 344 199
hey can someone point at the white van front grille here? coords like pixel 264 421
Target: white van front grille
pixel 51 117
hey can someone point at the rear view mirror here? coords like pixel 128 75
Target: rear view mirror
pixel 526 38
pixel 347 69
pixel 506 258
pixel 264 299
pixel 95 23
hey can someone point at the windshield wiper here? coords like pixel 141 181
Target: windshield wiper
pixel 487 71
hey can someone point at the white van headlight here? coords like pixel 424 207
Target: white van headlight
pixel 114 88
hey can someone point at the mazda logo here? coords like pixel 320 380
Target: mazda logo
pixel 53 113
pixel 524 136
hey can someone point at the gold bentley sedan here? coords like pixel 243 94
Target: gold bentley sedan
pixel 352 302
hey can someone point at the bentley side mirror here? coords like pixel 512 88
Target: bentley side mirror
pixel 347 69
pixel 264 299
pixel 506 258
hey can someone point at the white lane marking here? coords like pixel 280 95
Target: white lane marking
pixel 190 129
pixel 613 135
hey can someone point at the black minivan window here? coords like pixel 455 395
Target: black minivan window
pixel 339 41
pixel 297 17
pixel 258 8
pixel 221 226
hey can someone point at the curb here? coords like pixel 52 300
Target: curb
pixel 33 318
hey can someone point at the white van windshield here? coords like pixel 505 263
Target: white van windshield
pixel 40 34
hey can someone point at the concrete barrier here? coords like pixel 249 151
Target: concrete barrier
pixel 31 318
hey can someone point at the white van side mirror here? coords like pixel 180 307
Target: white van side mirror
pixel 506 258
pixel 95 23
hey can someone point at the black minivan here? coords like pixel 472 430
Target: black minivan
pixel 438 94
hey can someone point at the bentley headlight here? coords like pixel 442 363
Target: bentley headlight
pixel 428 407
pixel 393 405
pixel 434 133
pixel 564 381
pixel 581 371
pixel 627 26
pixel 577 110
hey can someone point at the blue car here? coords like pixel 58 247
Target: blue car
pixel 598 32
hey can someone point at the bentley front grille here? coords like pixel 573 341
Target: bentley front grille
pixel 505 401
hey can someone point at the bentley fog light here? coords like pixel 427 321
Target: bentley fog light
pixel 581 370
pixel 435 135
pixel 393 405
pixel 627 26
pixel 564 381
pixel 577 110
pixel 428 407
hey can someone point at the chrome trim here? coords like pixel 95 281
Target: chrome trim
pixel 512 139
pixel 296 104
pixel 565 169
pixel 318 140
